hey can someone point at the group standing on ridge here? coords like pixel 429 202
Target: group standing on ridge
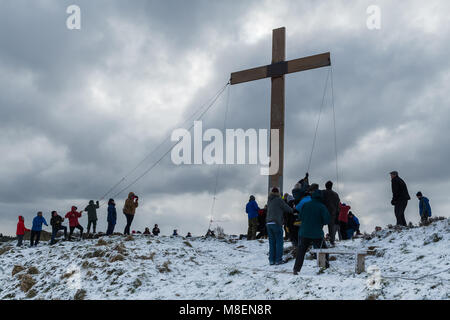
pixel 302 216
pixel 73 216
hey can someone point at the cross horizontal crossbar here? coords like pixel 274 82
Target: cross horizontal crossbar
pixel 282 68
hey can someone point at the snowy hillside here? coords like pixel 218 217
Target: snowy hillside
pixel 174 268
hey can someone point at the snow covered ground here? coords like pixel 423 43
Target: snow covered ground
pixel 148 267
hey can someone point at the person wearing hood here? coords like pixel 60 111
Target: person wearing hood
pixel 20 231
pixel 424 207
pixel 112 217
pixel 252 210
pixel 276 207
pixel 313 216
pixel 91 210
pixel 156 230
pixel 56 223
pixel 343 220
pixel 262 214
pixel 129 209
pixel 37 228
pixel 73 216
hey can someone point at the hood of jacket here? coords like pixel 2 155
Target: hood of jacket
pixel 316 195
pixel 21 219
pixel 273 195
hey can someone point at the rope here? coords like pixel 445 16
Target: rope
pixel 218 168
pixel 173 145
pixel 318 120
pixel 334 126
pixel 218 93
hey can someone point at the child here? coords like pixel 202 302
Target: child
pixel 21 231
pixel 37 228
pixel 73 216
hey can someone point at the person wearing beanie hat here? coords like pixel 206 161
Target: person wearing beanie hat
pixel 252 210
pixel 276 208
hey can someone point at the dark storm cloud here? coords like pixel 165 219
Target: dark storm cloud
pixel 80 108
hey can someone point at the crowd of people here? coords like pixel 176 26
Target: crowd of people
pixel 73 216
pixel 300 217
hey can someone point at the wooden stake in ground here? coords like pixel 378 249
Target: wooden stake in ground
pixel 276 72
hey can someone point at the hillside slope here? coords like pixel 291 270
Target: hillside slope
pixel 173 268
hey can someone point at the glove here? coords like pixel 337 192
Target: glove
pixel 393 202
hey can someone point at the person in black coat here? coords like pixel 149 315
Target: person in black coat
pixel 332 201
pixel 400 198
pixel 156 230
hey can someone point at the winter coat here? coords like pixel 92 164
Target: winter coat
pixel 424 207
pixel 155 231
pixel 331 201
pixel 37 223
pixel 343 213
pixel 262 213
pixel 112 214
pixel 21 227
pixel 302 202
pixel 56 221
pixel 353 223
pixel 313 215
pixel 91 210
pixel 130 205
pixel 399 190
pixel 252 209
pixel 73 217
pixel 275 209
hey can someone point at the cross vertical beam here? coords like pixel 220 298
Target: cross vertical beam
pixel 277 113
pixel 276 71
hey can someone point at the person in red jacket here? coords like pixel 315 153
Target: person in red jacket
pixel 21 231
pixel 343 220
pixel 73 216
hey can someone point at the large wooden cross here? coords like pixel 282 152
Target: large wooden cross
pixel 276 71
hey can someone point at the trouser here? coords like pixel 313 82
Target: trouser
pixel 342 230
pixel 35 234
pixel 19 240
pixel 275 233
pixel 350 233
pixel 94 225
pixel 293 232
pixel 130 218
pixel 73 228
pixel 110 229
pixel 55 231
pixel 304 244
pixel 252 228
pixel 399 210
pixel 332 229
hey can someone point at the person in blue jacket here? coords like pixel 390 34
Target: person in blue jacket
pixel 252 210
pixel 112 217
pixel 352 225
pixel 37 228
pixel 424 207
pixel 313 216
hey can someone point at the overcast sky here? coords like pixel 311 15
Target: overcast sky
pixel 80 108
